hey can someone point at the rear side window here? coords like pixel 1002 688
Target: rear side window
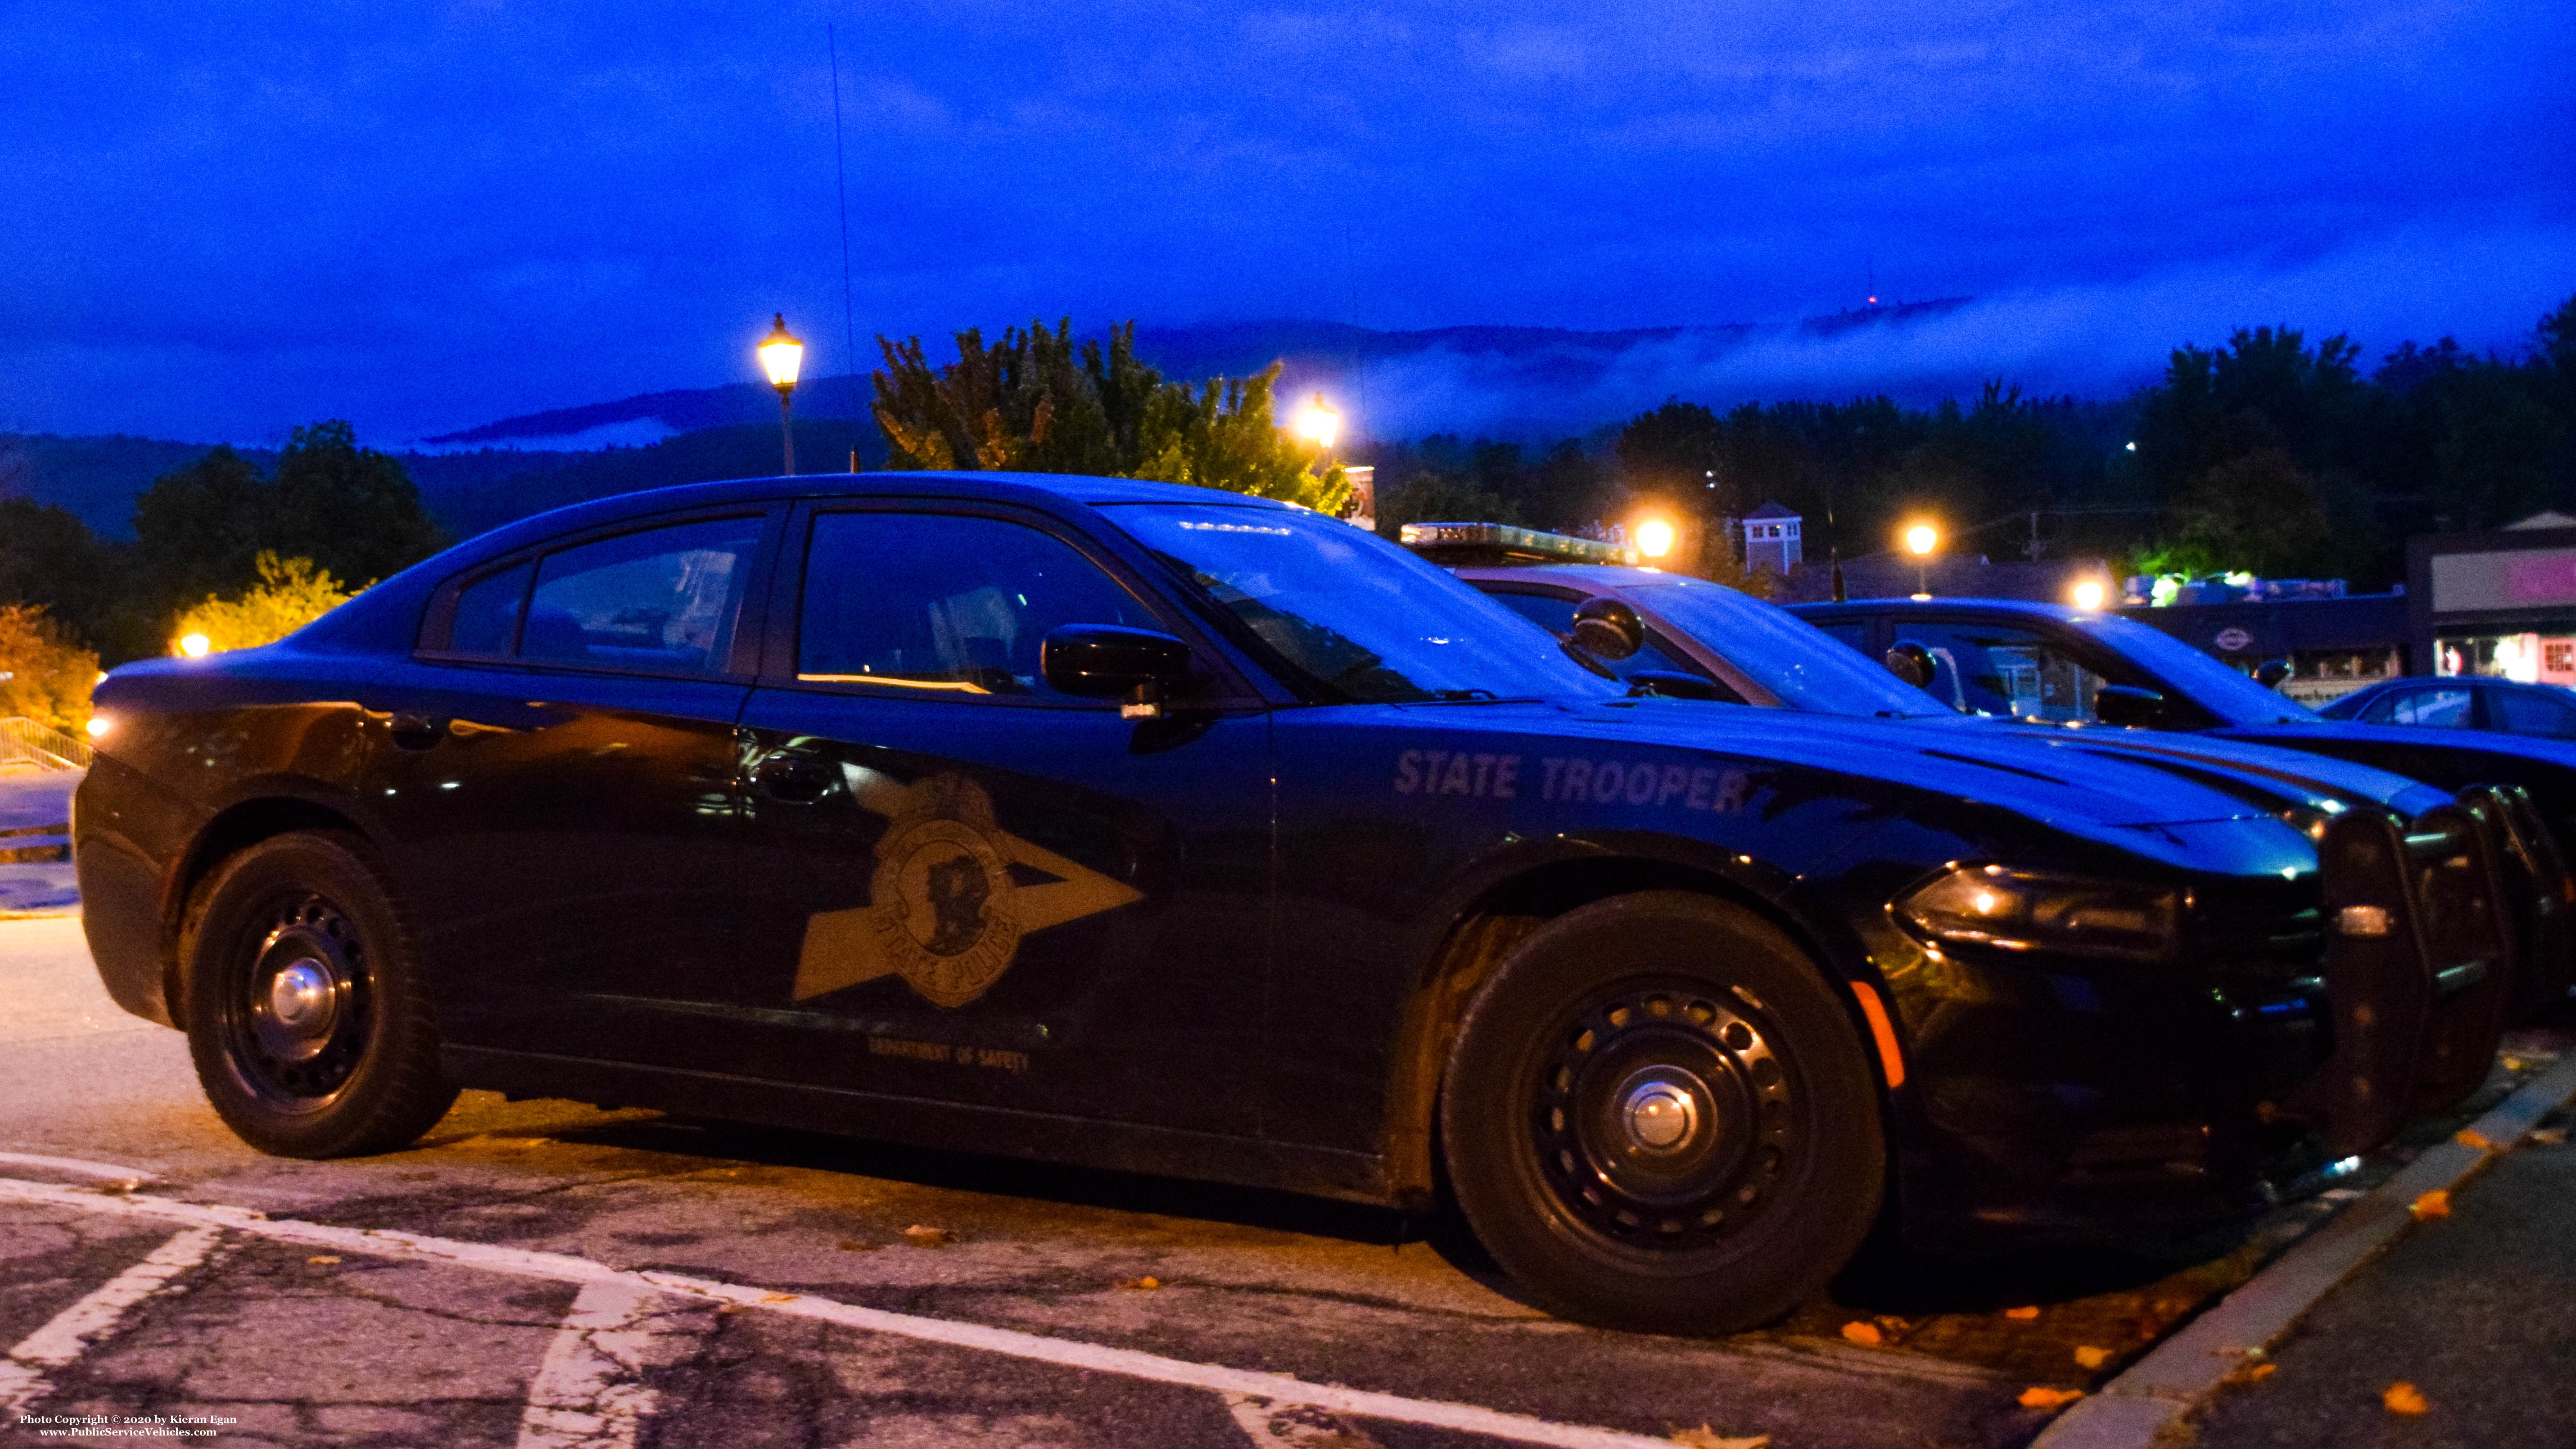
pixel 944 603
pixel 663 600
pixel 487 614
pixel 2526 713
pixel 2448 707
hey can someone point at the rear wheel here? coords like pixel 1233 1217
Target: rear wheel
pixel 1659 1117
pixel 307 1020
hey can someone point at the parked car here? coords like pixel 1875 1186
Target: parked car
pixel 1167 830
pixel 2463 703
pixel 1699 640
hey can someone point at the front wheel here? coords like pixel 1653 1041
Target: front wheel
pixel 1659 1117
pixel 307 1020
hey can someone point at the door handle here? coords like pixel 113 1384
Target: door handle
pixel 413 730
pixel 795 779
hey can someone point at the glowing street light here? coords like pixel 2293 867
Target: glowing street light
pixel 1922 538
pixel 1654 538
pixel 196 646
pixel 2088 595
pixel 781 355
pixel 1318 424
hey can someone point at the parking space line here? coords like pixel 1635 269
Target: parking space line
pixel 1293 1426
pixel 107 1171
pixel 587 1392
pixel 1063 1352
pixel 69 1334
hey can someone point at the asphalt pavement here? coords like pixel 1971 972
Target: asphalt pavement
pixel 547 1274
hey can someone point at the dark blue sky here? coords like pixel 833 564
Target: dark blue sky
pixel 221 220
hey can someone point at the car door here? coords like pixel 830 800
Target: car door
pixel 961 885
pixel 558 768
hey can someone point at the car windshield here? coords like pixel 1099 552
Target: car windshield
pixel 1806 667
pixel 1353 616
pixel 2199 677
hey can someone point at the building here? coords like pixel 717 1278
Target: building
pixel 2496 603
pixel 1771 540
pixel 2333 645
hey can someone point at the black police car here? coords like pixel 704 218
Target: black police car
pixel 1166 830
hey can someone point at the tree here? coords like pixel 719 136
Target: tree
pixel 48 557
pixel 2256 511
pixel 1023 404
pixel 352 511
pixel 290 594
pixel 44 675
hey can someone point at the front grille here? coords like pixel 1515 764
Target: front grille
pixel 2418 967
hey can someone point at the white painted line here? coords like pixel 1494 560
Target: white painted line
pixel 586 1394
pixel 106 1171
pixel 2158 1390
pixel 1293 1426
pixel 1063 1352
pixel 65 1337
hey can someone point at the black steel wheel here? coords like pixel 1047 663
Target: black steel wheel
pixel 1660 1117
pixel 306 1019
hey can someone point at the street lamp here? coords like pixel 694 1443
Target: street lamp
pixel 2088 595
pixel 1654 538
pixel 1922 538
pixel 1317 423
pixel 781 355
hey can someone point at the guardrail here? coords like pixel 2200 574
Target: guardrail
pixel 24 741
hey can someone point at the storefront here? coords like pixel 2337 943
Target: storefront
pixel 2500 603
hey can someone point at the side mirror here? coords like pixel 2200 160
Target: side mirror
pixel 1606 628
pixel 1912 663
pixel 2271 672
pixel 1673 684
pixel 1106 661
pixel 2126 704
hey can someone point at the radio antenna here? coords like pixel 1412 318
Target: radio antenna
pixel 841 179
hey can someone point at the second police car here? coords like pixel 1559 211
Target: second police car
pixel 1145 827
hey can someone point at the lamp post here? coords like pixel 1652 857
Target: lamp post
pixel 1922 538
pixel 1654 538
pixel 781 355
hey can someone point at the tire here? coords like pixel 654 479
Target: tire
pixel 1659 1117
pixel 307 1019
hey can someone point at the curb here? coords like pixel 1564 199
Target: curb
pixel 2144 1403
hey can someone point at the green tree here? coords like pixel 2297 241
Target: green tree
pixel 1034 402
pixel 290 594
pixel 48 557
pixel 2255 511
pixel 45 675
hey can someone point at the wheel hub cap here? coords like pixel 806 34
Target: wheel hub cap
pixel 1661 1116
pixel 302 999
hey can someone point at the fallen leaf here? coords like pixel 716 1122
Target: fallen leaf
pixel 2261 1371
pixel 2513 1064
pixel 322 1260
pixel 777 1297
pixel 1143 1285
pixel 1704 1437
pixel 853 1245
pixel 2471 1137
pixel 2434 1204
pixel 2402 1397
pixel 2026 1311
pixel 2087 1356
pixel 922 1235
pixel 2036 1397
pixel 1859 1332
pixel 2548 1136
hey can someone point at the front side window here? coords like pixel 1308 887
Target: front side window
pixel 2449 707
pixel 1556 616
pixel 2002 671
pixel 945 603
pixel 662 600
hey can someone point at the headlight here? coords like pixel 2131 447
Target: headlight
pixel 1988 905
